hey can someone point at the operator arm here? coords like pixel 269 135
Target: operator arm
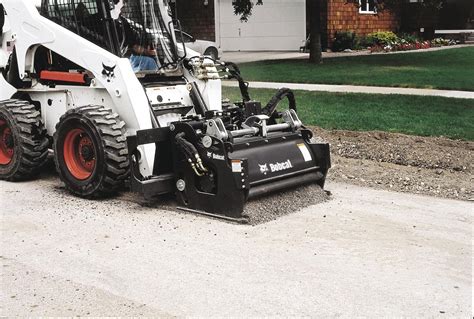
pixel 132 40
pixel 140 50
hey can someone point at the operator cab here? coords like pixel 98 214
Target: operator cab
pixel 133 29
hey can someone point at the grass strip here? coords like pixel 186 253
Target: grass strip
pixel 414 115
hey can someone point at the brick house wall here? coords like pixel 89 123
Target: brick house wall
pixel 197 19
pixel 343 16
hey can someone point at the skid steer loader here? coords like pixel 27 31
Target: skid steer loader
pixel 72 80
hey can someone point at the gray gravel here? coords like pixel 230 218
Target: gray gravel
pixel 434 166
pixel 267 208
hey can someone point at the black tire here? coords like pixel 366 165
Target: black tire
pixel 95 162
pixel 212 52
pixel 23 141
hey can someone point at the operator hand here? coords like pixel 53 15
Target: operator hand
pixel 149 51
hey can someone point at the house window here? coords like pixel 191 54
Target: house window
pixel 367 6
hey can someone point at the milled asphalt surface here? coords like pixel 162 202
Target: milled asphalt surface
pixel 364 253
pixel 356 89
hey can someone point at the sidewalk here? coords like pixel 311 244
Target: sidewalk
pixel 356 89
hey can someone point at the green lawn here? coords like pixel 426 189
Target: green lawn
pixel 445 69
pixel 415 115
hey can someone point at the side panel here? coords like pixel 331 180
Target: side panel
pixel 6 90
pixel 55 102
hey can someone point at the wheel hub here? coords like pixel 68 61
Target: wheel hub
pixel 87 152
pixel 79 154
pixel 6 143
pixel 9 140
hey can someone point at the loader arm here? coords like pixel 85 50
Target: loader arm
pixel 129 98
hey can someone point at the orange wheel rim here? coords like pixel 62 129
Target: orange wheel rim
pixel 6 143
pixel 79 154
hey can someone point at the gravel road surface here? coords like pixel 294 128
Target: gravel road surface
pixel 365 252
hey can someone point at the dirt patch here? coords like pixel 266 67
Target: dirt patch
pixel 422 165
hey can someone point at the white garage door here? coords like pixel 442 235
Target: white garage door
pixel 278 25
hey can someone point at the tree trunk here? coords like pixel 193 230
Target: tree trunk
pixel 315 50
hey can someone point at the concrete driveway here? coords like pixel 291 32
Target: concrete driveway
pixel 364 253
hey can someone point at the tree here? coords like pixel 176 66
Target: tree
pixel 315 48
pixel 243 8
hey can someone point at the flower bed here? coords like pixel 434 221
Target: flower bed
pixel 384 41
pixel 402 44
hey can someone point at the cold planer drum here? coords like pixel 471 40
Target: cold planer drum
pixel 215 167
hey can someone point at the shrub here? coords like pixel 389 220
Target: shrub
pixel 381 38
pixel 361 42
pixel 438 42
pixel 409 38
pixel 344 40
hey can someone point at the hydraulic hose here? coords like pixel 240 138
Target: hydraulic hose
pixel 192 155
pixel 185 146
pixel 197 99
pixel 243 86
pixel 233 70
pixel 270 108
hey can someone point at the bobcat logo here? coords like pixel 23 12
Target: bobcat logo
pixel 263 169
pixel 108 71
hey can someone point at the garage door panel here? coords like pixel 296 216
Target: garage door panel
pixel 294 14
pixel 271 29
pixel 262 44
pixel 276 25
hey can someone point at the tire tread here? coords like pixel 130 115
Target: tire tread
pixel 112 136
pixel 34 142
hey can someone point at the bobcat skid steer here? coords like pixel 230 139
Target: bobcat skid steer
pixel 108 86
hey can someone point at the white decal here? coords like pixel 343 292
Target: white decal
pixel 304 150
pixel 275 167
pixel 236 166
pixel 263 169
pixel 216 156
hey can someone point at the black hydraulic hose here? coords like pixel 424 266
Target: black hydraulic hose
pixel 270 108
pixel 243 86
pixel 197 99
pixel 185 146
pixel 193 157
pixel 234 66
pixel 234 72
pixel 190 147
